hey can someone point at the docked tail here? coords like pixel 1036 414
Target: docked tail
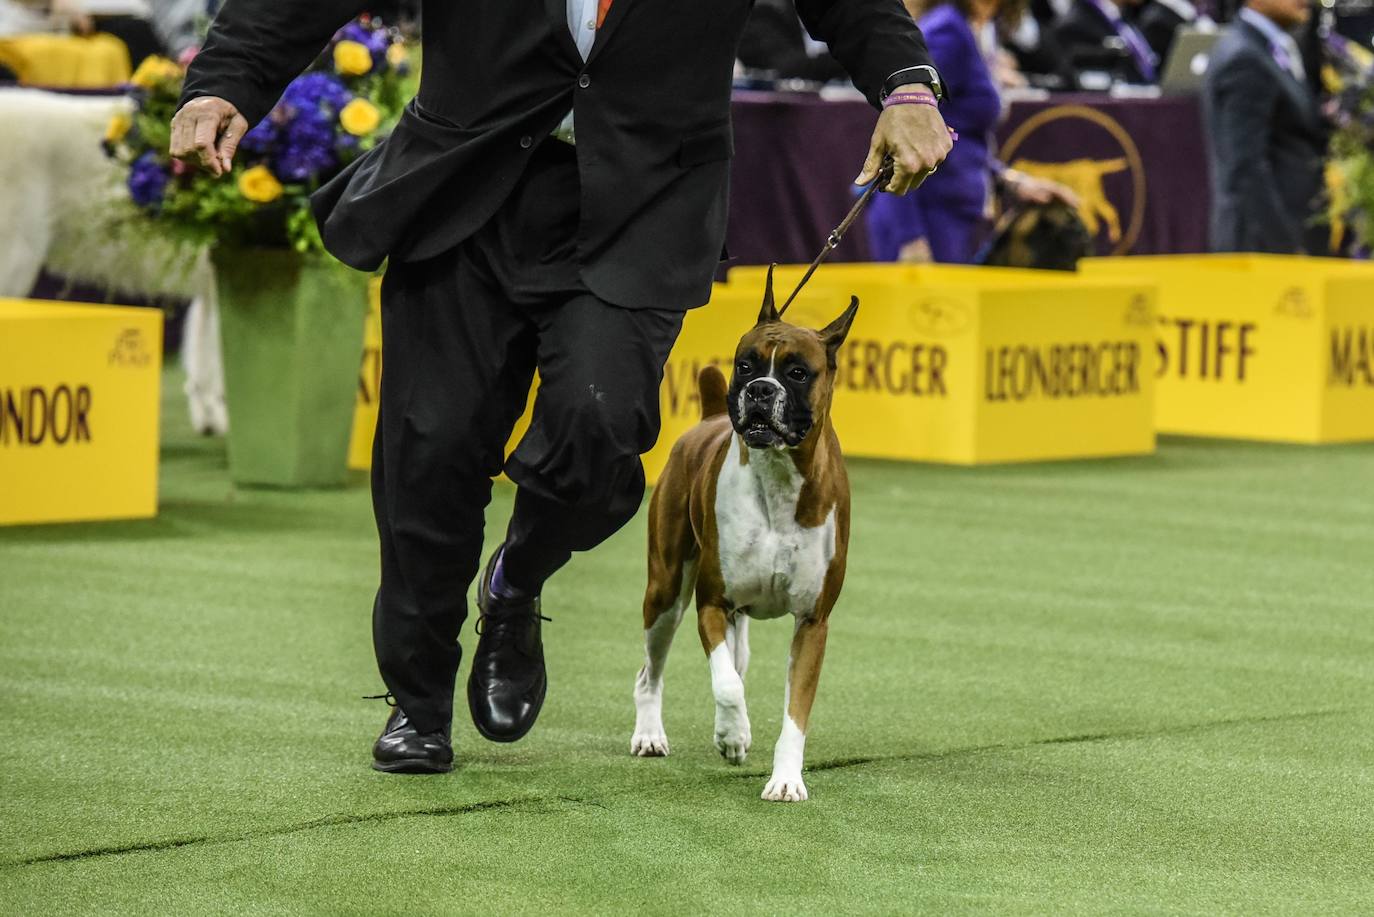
pixel 713 387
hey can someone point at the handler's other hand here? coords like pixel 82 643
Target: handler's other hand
pixel 915 136
pixel 1028 189
pixel 207 130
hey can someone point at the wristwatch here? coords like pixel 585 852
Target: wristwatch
pixel 923 73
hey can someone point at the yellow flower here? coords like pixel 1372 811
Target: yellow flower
pixel 119 126
pixel 258 184
pixel 352 58
pixel 360 117
pixel 397 54
pixel 154 70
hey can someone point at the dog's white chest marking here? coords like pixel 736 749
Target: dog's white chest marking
pixel 770 565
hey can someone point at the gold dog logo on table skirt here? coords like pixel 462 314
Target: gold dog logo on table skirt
pixel 1108 185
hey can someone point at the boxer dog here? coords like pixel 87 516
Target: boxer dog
pixel 751 515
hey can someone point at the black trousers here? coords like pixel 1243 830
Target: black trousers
pixel 462 335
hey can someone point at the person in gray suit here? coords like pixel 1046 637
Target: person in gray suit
pixel 1266 136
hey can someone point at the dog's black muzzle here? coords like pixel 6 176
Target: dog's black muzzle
pixel 762 412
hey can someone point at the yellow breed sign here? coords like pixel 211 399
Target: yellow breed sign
pixel 1261 347
pixel 78 411
pixel 943 364
pixel 975 365
pixel 369 382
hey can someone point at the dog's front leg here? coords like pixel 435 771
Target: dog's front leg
pixel 803 672
pixel 732 719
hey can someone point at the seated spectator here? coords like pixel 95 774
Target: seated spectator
pixel 943 220
pixel 1026 30
pixel 1265 134
pixel 36 48
pixel 127 20
pixel 20 18
pixel 775 42
pixel 181 24
pixel 1096 36
pixel 1160 20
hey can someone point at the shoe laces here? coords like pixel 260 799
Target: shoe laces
pixel 388 697
pixel 507 617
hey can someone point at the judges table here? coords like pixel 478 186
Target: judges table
pixel 97 61
pixel 1138 164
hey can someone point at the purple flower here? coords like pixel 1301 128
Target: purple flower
pixel 306 148
pixel 315 91
pixel 354 31
pixel 147 180
pixel 261 139
pixel 303 133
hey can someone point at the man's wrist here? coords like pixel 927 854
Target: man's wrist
pixel 916 96
pixel 923 88
pixel 920 75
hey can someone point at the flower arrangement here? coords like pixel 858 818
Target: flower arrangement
pixel 1348 77
pixel 346 102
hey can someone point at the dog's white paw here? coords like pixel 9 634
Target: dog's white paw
pixel 733 748
pixel 649 743
pixel 732 717
pixel 785 788
pixel 733 738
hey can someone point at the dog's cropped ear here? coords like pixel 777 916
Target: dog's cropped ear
pixel 769 312
pixel 833 334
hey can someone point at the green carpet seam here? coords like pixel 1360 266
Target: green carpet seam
pixel 1126 735
pixel 330 821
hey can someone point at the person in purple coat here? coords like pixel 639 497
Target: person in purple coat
pixel 942 220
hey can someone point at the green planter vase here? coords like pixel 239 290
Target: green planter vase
pixel 292 334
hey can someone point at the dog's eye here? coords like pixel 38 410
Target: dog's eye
pixel 743 368
pixel 798 374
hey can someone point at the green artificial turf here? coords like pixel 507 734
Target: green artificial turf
pixel 1120 686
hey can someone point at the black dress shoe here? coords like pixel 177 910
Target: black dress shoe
pixel 507 684
pixel 402 749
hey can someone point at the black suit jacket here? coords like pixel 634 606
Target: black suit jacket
pixel 1267 141
pixel 652 106
pixel 1090 42
pixel 774 40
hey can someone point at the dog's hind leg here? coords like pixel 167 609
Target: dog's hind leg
pixel 650 739
pixel 672 583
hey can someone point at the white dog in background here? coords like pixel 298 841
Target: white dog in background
pixel 63 206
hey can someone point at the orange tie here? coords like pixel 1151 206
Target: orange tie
pixel 601 9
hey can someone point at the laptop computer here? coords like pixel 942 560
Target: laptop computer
pixel 1188 61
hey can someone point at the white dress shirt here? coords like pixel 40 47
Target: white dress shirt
pixel 582 24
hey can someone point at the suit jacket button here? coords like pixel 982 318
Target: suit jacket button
pixel 584 81
pixel 526 142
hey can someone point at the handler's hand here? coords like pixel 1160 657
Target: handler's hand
pixel 1031 190
pixel 208 130
pixel 915 136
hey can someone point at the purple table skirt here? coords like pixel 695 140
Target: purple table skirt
pixel 1141 162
